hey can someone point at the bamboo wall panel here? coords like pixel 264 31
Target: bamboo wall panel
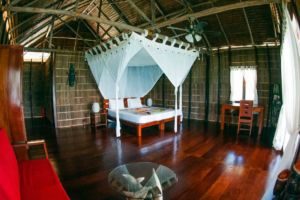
pixel 73 104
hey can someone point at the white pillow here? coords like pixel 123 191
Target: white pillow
pixel 113 104
pixel 134 103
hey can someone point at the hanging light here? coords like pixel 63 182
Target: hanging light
pixel 190 38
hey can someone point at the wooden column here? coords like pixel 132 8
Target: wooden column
pixel 270 84
pixel 207 68
pixel 190 97
pixel 219 86
pixel 11 101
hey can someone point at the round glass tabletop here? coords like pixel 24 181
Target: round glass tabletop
pixel 141 180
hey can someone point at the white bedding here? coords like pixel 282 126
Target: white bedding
pixel 144 114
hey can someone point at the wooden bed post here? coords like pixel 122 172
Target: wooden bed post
pixel 162 126
pixel 139 131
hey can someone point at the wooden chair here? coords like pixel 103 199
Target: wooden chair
pixel 245 116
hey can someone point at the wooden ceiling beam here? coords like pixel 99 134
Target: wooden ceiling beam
pixel 136 8
pixel 91 30
pixel 249 27
pixel 42 17
pixel 216 10
pixel 162 12
pixel 74 14
pixel 190 10
pixel 221 27
pixel 119 12
pixel 109 19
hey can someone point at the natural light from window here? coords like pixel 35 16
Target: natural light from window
pixel 35 56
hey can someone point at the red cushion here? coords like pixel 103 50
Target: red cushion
pixel 39 181
pixel 9 176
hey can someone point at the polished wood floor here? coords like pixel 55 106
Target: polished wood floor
pixel 209 164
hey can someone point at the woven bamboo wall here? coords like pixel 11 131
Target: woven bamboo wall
pixel 238 57
pixel 73 104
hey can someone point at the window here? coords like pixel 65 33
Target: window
pixel 35 56
pixel 243 81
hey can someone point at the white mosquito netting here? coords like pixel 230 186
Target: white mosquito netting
pixel 131 67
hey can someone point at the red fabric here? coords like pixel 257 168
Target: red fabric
pixel 39 181
pixel 9 176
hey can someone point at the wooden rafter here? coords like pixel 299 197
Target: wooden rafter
pixel 162 12
pixel 43 16
pixel 91 30
pixel 249 27
pixel 99 15
pixel 221 27
pixel 109 19
pixel 119 12
pixel 215 10
pixel 190 10
pixel 74 14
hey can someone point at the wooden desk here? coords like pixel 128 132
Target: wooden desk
pixel 256 108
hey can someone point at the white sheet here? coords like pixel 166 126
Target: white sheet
pixel 128 115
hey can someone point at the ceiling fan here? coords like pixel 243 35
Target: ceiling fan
pixel 193 33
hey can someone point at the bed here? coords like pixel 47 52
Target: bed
pixel 141 116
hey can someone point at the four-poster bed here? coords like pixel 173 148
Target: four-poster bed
pixel 129 66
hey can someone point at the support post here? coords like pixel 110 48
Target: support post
pixel 270 84
pixel 163 90
pixel 30 93
pixel 180 102
pixel 219 86
pixel 207 68
pixel 190 98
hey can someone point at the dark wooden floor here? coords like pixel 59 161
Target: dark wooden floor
pixel 209 164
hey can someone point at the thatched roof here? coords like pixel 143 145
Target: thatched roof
pixel 84 23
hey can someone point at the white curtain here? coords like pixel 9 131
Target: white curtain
pixel 250 77
pixel 237 75
pixel 236 83
pixel 286 136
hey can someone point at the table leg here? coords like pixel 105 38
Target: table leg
pixel 261 121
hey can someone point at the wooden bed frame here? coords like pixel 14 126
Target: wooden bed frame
pixel 139 127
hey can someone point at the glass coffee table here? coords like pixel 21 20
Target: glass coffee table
pixel 141 180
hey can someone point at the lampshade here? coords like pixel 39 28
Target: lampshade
pixel 189 37
pixel 149 102
pixel 95 107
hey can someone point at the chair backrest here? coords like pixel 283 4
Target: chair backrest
pixel 9 171
pixel 246 108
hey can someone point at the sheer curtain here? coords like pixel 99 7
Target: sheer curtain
pixel 236 83
pixel 237 75
pixel 250 77
pixel 286 136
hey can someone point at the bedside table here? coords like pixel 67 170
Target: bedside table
pixel 98 119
